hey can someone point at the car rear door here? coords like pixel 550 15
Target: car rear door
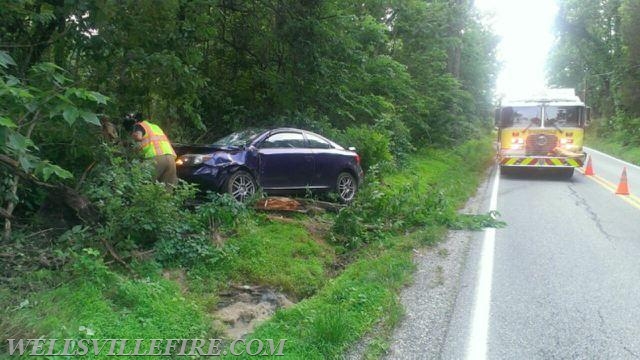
pixel 328 161
pixel 285 161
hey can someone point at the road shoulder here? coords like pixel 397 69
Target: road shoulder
pixel 430 300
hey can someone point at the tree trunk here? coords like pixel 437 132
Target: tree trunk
pixel 459 14
pixel 8 211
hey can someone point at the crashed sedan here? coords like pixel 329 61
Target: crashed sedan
pixel 282 160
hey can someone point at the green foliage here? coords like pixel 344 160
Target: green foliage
pixel 217 215
pixel 598 52
pixel 601 136
pixel 47 98
pixel 225 66
pixel 371 145
pixel 137 211
pixel 406 201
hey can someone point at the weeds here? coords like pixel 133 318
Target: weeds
pixel 219 241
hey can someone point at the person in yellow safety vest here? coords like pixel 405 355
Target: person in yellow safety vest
pixel 154 144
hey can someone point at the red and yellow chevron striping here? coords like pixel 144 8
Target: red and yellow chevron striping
pixel 538 161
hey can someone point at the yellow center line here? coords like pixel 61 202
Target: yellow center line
pixel 631 199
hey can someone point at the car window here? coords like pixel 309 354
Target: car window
pixel 284 140
pixel 316 142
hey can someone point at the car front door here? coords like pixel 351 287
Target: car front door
pixel 285 161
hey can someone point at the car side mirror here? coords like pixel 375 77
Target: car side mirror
pixel 351 148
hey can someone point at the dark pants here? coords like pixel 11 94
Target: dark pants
pixel 166 169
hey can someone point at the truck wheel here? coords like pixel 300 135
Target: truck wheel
pixel 566 173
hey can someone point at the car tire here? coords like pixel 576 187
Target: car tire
pixel 346 187
pixel 241 185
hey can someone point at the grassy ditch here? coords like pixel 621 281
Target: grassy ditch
pixel 613 143
pixel 365 294
pixel 344 270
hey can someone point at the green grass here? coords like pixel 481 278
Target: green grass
pixel 335 311
pixel 612 144
pixel 366 293
pixel 322 326
pixel 115 308
pixel 281 255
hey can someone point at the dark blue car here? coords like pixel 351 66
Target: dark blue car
pixel 283 160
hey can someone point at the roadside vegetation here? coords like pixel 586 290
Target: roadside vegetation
pixel 393 215
pixel 619 143
pixel 91 247
pixel 598 52
pixel 396 215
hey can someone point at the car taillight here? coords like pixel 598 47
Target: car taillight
pixel 358 159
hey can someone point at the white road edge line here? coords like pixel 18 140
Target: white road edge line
pixel 611 157
pixel 477 346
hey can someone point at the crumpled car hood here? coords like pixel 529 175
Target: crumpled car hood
pixel 224 158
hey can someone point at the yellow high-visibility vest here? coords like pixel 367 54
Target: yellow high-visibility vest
pixel 154 142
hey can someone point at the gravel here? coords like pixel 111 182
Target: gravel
pixel 429 302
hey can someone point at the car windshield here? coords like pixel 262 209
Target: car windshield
pixel 238 139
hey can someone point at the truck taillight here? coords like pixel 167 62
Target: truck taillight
pixel 517 143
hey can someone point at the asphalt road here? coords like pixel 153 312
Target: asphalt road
pixel 560 281
pixel 610 169
pixel 564 280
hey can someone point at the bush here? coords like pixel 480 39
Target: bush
pixel 380 208
pixel 371 145
pixel 399 137
pixel 217 215
pixel 135 209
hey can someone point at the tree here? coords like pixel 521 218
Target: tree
pixel 46 97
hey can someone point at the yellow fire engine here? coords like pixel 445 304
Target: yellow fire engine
pixel 543 131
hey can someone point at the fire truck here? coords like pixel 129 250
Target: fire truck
pixel 544 131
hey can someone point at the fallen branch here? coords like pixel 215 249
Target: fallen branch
pixel 115 255
pixel 15 168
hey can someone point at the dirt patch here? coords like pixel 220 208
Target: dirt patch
pixel 244 307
